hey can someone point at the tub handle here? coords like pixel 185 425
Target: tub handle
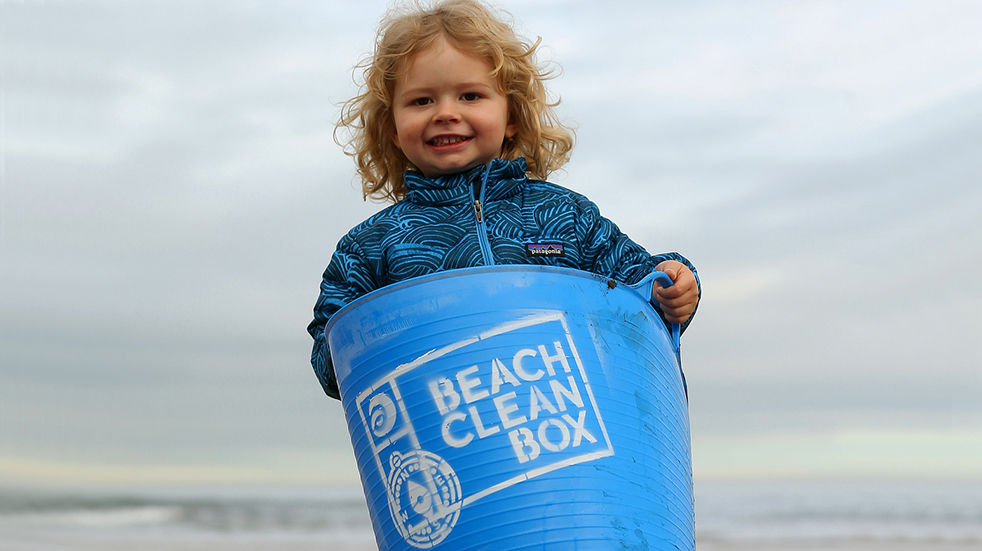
pixel 644 288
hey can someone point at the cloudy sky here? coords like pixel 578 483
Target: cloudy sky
pixel 170 193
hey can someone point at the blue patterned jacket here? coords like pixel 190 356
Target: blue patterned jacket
pixel 441 225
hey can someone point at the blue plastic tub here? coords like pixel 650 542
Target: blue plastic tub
pixel 516 408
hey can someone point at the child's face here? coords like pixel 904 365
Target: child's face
pixel 448 111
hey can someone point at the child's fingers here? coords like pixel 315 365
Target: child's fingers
pixel 678 309
pixel 677 302
pixel 671 268
pixel 674 302
pixel 677 314
pixel 674 291
pixel 685 283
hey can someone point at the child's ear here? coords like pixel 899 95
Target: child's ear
pixel 511 128
pixel 395 140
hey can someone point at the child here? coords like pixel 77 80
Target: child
pixel 454 127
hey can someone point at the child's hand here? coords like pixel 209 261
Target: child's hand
pixel 678 301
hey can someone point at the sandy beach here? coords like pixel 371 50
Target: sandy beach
pixel 832 545
pixel 746 516
pixel 102 539
pixel 66 542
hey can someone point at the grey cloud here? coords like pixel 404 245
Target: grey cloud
pixel 172 193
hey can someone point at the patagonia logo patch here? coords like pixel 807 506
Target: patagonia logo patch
pixel 544 249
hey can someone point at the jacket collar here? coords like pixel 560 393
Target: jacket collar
pixel 500 179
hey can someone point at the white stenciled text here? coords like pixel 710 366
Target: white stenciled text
pixel 534 398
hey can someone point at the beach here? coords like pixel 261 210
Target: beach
pixel 149 540
pixel 846 515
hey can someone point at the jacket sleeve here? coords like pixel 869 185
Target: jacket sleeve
pixel 346 278
pixel 608 251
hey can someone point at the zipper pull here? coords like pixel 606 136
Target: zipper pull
pixel 478 211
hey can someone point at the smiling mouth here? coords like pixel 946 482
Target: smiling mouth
pixel 440 141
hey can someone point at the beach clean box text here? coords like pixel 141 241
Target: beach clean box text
pixel 536 401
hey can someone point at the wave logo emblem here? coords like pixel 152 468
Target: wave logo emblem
pixel 425 497
pixel 423 490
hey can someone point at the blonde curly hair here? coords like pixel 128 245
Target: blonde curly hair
pixel 472 27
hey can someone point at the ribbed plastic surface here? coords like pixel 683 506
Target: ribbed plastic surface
pixel 516 408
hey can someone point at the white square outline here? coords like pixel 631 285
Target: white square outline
pixel 528 321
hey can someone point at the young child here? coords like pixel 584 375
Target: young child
pixel 454 127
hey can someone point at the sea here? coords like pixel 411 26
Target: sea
pixel 777 515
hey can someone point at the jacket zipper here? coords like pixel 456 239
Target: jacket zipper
pixel 482 231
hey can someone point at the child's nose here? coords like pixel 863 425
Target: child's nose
pixel 447 112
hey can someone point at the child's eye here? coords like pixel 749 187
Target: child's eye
pixel 470 96
pixel 420 101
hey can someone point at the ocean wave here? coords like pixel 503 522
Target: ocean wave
pixel 101 517
pixel 770 512
pixel 840 511
pixel 282 513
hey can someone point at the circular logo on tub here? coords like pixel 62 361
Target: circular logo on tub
pixel 424 497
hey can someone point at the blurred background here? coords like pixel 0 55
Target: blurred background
pixel 170 193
